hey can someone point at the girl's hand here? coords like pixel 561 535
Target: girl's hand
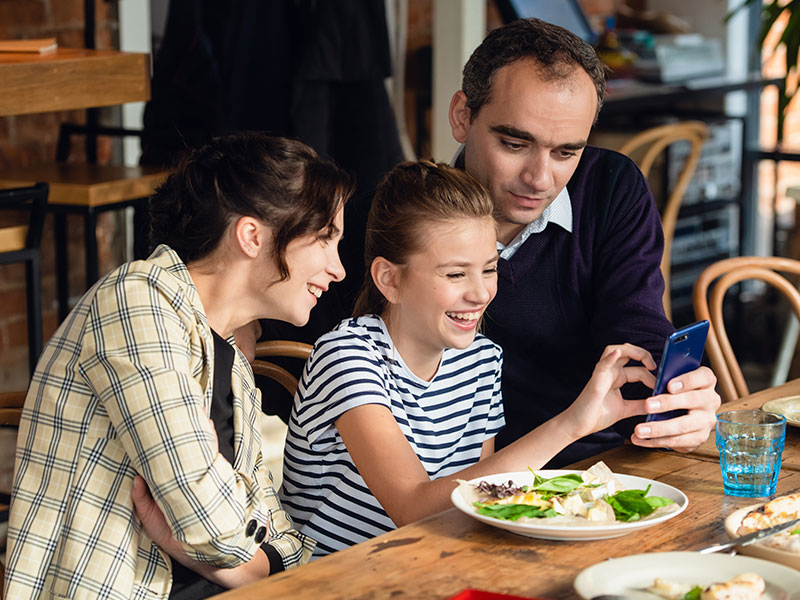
pixel 601 404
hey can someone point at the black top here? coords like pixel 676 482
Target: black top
pixel 185 582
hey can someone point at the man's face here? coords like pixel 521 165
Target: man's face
pixel 526 141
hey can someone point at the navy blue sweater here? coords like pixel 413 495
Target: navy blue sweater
pixel 564 296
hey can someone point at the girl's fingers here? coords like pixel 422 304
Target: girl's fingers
pixel 631 352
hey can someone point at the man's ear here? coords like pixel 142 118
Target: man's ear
pixel 386 276
pixel 459 117
pixel 252 236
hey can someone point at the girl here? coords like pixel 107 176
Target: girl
pixel 121 398
pixel 398 402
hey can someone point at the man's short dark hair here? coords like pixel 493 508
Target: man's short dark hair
pixel 556 51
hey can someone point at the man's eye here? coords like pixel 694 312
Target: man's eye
pixel 566 154
pixel 512 145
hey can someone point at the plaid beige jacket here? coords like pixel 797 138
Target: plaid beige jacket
pixel 124 387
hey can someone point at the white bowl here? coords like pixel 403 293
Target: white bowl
pixel 758 549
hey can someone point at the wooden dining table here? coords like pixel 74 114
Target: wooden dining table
pixel 446 553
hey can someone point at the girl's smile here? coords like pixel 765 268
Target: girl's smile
pixel 442 291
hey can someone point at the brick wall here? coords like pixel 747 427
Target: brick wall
pixel 29 140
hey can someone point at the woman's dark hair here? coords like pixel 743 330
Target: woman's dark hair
pixel 279 181
pixel 411 196
pixel 555 50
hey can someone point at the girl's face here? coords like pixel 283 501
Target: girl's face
pixel 445 287
pixel 313 263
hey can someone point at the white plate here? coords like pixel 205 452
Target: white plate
pixel 550 531
pixel 789 407
pixel 630 575
pixel 758 549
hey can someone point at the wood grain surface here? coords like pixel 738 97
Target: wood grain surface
pixel 449 552
pixel 71 79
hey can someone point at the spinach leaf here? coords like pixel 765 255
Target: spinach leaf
pixel 795 532
pixel 693 594
pixel 563 484
pixel 632 505
pixel 512 512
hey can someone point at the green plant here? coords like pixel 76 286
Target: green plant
pixel 771 12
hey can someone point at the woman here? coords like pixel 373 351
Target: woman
pixel 121 398
pixel 398 402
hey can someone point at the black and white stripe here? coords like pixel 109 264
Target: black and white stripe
pixel 446 422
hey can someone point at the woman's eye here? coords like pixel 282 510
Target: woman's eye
pixel 455 275
pixel 490 271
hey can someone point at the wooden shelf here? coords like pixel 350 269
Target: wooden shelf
pixel 71 79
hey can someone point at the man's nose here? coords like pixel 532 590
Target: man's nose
pixel 537 173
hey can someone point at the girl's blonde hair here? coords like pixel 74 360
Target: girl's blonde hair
pixel 411 196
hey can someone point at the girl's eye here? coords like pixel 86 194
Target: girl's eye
pixel 490 271
pixel 455 275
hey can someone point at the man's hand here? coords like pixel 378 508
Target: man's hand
pixel 694 392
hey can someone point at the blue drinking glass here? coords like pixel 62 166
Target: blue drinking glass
pixel 750 444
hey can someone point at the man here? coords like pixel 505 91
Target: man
pixel 579 236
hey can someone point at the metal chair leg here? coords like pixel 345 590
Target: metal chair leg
pixel 33 282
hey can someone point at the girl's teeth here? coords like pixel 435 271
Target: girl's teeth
pixel 315 290
pixel 470 316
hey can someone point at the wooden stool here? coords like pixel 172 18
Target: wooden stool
pixel 86 190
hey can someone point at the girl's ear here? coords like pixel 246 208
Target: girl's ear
pixel 251 236
pixel 386 276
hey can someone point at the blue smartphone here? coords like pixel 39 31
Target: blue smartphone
pixel 683 352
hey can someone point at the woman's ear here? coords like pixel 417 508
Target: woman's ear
pixel 386 276
pixel 252 236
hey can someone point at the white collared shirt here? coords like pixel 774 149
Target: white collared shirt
pixel 559 213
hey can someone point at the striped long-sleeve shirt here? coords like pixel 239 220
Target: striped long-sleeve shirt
pixel 445 420
pixel 124 387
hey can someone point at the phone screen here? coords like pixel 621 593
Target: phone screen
pixel 683 352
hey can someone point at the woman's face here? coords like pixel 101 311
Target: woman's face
pixel 445 288
pixel 314 264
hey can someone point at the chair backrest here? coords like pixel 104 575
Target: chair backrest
pixel 33 200
pixel 731 382
pixel 276 348
pixel 651 143
pixel 10 412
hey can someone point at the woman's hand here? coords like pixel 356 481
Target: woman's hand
pixel 156 526
pixel 154 523
pixel 601 404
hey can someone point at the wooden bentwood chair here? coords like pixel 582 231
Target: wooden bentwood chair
pixel 730 271
pixel 276 348
pixel 644 148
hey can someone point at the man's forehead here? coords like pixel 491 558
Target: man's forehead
pixel 509 79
